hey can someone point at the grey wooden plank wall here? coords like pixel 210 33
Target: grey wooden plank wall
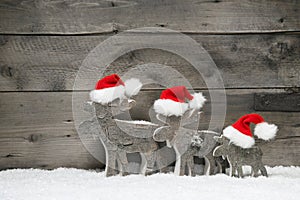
pixel 255 44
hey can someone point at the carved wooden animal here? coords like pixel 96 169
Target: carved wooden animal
pixel 114 155
pixel 237 157
pixel 187 158
pixel 200 144
pixel 118 142
pixel 183 141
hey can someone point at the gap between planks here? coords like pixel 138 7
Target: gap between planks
pixel 291 89
pixel 166 33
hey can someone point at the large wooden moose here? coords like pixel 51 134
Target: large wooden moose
pixel 109 98
pixel 120 137
pixel 238 157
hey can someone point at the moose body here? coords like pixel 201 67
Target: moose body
pixel 238 157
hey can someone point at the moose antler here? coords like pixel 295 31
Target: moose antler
pixel 191 119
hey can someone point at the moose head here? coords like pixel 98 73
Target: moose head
pixel 173 123
pixel 106 110
pixel 197 141
pixel 221 150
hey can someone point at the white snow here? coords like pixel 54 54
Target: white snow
pixel 138 122
pixel 70 184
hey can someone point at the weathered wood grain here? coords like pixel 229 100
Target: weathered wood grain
pixel 37 128
pixel 277 102
pixel 44 147
pixel 196 16
pixel 281 150
pixel 50 63
pixel 27 141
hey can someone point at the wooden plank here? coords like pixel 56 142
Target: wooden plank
pixel 50 63
pixel 37 128
pixel 44 147
pixel 281 151
pixel 196 16
pixel 27 141
pixel 277 102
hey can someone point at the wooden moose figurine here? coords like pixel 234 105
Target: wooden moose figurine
pixel 122 142
pixel 238 157
pixel 188 143
pixel 110 98
pixel 237 144
pixel 178 116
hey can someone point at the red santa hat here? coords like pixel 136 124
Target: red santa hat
pixel 172 101
pixel 240 134
pixel 112 87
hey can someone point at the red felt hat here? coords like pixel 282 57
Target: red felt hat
pixel 173 101
pixel 109 81
pixel 240 133
pixel 112 87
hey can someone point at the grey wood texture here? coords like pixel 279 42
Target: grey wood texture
pixel 50 63
pixel 38 132
pixel 255 45
pixel 278 102
pixel 37 128
pixel 206 16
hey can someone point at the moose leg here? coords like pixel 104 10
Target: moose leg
pixel 232 168
pixel 150 158
pixel 180 162
pixel 143 164
pixel 233 171
pixel 263 170
pixel 219 167
pixel 123 163
pixel 110 169
pixel 221 164
pixel 148 161
pixel 210 164
pixel 180 165
pixel 120 170
pixel 240 171
pixel 255 170
pixel 183 165
pixel 191 166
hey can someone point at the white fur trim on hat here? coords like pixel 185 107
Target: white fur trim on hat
pixel 238 138
pixel 265 131
pixel 107 95
pixel 132 87
pixel 198 101
pixel 169 107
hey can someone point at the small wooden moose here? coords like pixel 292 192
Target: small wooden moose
pixel 178 116
pixel 237 144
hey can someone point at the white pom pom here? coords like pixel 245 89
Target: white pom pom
pixel 132 87
pixel 198 101
pixel 265 131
